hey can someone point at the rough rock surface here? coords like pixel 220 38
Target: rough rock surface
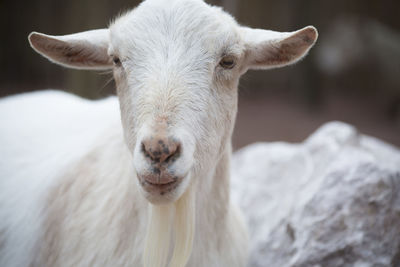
pixel 331 201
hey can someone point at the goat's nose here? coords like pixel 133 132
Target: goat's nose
pixel 161 150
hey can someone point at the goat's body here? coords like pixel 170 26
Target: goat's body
pixel 81 187
pixel 41 135
pixel 69 195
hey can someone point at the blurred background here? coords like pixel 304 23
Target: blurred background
pixel 351 75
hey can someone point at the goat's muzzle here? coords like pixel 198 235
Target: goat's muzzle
pixel 160 154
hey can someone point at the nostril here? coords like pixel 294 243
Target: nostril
pixel 143 148
pixel 145 151
pixel 174 154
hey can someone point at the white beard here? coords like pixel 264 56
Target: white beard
pixel 180 215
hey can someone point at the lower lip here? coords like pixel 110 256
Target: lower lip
pixel 160 188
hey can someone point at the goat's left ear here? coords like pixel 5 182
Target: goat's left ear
pixel 84 50
pixel 269 49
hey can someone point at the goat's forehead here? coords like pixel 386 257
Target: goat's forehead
pixel 185 24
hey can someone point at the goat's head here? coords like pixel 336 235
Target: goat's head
pixel 176 67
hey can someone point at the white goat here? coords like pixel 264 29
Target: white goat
pixel 77 189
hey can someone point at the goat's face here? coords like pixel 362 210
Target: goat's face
pixel 176 65
pixel 177 75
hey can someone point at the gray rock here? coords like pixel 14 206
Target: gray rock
pixel 331 201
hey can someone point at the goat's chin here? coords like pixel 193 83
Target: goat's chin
pixel 175 218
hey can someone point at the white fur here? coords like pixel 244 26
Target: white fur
pixel 69 173
pixel 41 134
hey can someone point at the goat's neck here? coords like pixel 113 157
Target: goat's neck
pixel 212 196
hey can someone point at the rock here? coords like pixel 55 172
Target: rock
pixel 331 201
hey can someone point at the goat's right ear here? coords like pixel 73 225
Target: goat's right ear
pixel 85 50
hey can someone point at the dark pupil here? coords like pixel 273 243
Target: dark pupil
pixel 116 61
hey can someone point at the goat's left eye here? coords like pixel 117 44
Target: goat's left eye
pixel 116 60
pixel 227 62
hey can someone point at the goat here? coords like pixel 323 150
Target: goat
pixel 77 189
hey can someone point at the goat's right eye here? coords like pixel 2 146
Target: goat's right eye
pixel 117 61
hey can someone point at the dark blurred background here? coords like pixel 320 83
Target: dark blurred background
pixel 352 74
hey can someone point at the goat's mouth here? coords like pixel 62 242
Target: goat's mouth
pixel 164 187
pixel 160 186
pixel 161 189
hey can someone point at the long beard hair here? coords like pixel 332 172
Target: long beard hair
pixel 164 220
